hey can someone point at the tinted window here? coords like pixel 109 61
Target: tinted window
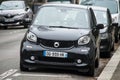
pixel 62 16
pixel 101 17
pixel 86 2
pixel 111 4
pixel 11 5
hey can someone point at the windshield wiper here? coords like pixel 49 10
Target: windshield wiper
pixel 64 27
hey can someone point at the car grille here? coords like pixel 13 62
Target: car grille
pixel 8 16
pixel 51 43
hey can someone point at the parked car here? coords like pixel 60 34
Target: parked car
pixel 103 16
pixel 37 3
pixel 60 1
pixel 66 38
pixel 113 6
pixel 13 13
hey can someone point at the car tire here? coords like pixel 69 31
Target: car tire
pixel 113 47
pixel 116 39
pixel 22 68
pixel 119 32
pixel 97 63
pixel 5 27
pixel 25 26
pixel 116 34
pixel 107 54
pixel 91 71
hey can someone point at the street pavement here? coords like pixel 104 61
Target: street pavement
pixel 10 40
pixel 116 75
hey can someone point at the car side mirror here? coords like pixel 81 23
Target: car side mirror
pixel 100 26
pixel 114 24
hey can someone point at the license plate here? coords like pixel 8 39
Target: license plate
pixel 9 20
pixel 55 54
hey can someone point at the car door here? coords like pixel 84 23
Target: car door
pixel 95 31
pixel 111 28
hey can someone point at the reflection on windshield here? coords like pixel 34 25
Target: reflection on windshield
pixel 11 5
pixel 101 17
pixel 111 4
pixel 61 16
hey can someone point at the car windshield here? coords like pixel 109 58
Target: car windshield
pixel 64 2
pixel 101 16
pixel 111 4
pixel 62 16
pixel 11 5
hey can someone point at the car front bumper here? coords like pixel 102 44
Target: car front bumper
pixel 85 54
pixel 105 45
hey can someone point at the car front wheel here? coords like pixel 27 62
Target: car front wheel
pixel 91 71
pixel 25 25
pixel 22 68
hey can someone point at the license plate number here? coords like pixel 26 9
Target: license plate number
pixel 55 54
pixel 9 20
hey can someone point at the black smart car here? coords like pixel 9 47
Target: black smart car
pixel 103 16
pixel 62 36
pixel 14 13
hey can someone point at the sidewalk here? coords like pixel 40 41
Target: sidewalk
pixel 116 75
pixel 112 69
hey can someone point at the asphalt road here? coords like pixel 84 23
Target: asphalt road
pixel 9 61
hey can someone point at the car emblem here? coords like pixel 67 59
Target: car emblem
pixel 56 44
pixel 9 15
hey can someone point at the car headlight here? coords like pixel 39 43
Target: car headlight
pixel 31 37
pixel 115 17
pixel 104 35
pixel 20 15
pixel 84 40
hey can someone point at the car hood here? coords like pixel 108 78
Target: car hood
pixel 12 12
pixel 59 33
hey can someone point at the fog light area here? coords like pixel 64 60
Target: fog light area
pixel 32 58
pixel 79 61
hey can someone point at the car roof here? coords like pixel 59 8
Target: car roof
pixel 68 5
pixel 99 8
pixel 12 0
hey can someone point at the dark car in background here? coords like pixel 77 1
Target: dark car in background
pixel 103 16
pixel 113 6
pixel 13 13
pixel 66 38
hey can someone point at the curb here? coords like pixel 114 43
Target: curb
pixel 111 66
